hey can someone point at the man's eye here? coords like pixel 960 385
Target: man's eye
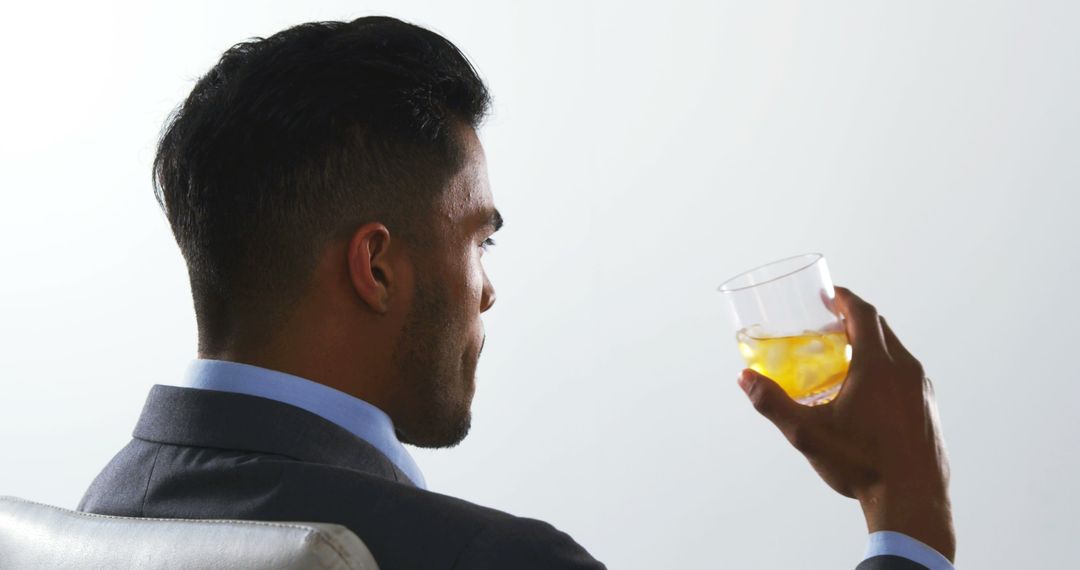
pixel 487 243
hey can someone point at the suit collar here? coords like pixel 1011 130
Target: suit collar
pixel 359 417
pixel 224 420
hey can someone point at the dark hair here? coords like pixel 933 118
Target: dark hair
pixel 296 139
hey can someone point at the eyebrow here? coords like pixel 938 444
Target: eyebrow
pixel 496 220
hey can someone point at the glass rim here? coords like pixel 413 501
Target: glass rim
pixel 812 257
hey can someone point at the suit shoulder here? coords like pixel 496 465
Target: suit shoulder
pixel 481 537
pixel 524 544
pixel 337 484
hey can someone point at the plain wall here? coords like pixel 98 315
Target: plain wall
pixel 641 153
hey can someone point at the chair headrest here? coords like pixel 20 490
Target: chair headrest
pixel 33 535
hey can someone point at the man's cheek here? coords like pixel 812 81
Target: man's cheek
pixel 476 284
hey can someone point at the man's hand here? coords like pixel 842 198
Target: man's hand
pixel 879 440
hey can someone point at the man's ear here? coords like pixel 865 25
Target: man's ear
pixel 371 267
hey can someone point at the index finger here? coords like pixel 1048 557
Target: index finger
pixel 863 327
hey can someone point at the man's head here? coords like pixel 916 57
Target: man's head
pixel 328 191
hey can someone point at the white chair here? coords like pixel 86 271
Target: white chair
pixel 36 536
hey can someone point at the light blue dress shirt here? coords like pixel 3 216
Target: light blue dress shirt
pixel 375 427
pixel 355 415
pixel 887 542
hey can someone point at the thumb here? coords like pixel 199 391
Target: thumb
pixel 770 400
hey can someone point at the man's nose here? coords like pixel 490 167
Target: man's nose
pixel 488 298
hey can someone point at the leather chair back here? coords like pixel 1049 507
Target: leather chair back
pixel 36 536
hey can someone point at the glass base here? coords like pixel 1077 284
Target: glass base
pixel 823 397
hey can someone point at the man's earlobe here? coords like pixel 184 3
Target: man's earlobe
pixel 370 270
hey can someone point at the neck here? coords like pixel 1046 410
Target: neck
pixel 319 358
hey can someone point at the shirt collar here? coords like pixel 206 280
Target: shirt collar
pixel 353 414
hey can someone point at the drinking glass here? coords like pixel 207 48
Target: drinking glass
pixel 788 328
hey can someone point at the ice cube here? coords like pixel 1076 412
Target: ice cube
pixel 811 348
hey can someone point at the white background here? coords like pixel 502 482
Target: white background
pixel 641 153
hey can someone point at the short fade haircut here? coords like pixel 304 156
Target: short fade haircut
pixel 297 139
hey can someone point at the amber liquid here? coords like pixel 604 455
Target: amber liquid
pixel 810 367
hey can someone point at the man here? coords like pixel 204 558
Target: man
pixel 328 191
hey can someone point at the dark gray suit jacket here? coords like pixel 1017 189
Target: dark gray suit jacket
pixel 209 454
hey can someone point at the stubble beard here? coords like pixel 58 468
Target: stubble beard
pixel 434 373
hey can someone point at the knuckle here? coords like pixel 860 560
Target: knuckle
pixel 868 475
pixel 760 400
pixel 801 439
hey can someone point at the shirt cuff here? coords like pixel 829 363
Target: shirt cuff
pixel 887 542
